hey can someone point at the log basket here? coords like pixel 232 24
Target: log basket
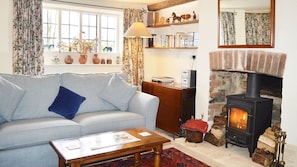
pixel 194 130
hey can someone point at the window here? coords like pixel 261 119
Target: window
pixel 70 28
pixel 50 28
pixel 63 24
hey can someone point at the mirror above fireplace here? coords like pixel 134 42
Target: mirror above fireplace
pixel 246 24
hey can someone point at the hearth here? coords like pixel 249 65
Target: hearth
pixel 248 115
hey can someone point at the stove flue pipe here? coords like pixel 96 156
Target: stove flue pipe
pixel 253 85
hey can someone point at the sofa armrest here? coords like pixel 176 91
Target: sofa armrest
pixel 146 105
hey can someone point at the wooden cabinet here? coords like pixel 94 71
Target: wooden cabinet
pixel 177 104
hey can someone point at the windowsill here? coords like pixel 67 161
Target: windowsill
pixel 81 68
pixel 80 65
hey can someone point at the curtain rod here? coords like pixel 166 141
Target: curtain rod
pixel 84 4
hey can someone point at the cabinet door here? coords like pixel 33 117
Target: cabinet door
pixel 169 113
pixel 188 104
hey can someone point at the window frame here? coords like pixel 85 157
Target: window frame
pixel 93 10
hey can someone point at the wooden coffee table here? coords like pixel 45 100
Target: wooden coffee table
pixel 103 146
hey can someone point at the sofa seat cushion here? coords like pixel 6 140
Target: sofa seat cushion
pixel 103 121
pixel 23 133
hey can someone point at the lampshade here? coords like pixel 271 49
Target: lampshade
pixel 138 30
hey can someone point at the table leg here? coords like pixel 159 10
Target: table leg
pixel 157 151
pixel 61 162
pixel 137 159
pixel 75 164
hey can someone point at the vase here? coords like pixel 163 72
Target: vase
pixel 68 59
pixel 83 59
pixel 56 60
pixel 96 59
pixel 118 60
pixel 108 61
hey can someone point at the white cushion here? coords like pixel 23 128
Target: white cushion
pixel 89 86
pixel 118 92
pixel 40 93
pixel 10 97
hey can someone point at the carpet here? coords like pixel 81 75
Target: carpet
pixel 170 157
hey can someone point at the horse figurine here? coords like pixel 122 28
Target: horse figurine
pixel 185 16
pixel 178 18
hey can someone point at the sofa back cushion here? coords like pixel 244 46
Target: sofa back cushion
pixel 40 93
pixel 10 97
pixel 89 86
pixel 118 92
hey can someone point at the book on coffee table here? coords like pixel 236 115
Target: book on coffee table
pixel 98 141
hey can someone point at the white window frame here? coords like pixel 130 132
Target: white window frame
pixel 52 55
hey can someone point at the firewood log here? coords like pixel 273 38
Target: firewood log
pixel 269 131
pixel 219 120
pixel 267 141
pixel 270 136
pixel 265 147
pixel 218 131
pixel 262 157
pixel 209 137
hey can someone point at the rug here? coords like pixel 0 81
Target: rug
pixel 170 157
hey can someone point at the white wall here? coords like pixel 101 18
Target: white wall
pixel 164 63
pixel 286 35
pixel 6 36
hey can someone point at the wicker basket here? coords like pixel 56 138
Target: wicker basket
pixel 194 136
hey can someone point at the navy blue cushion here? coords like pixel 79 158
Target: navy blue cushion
pixel 66 103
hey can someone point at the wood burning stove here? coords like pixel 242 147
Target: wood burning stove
pixel 248 115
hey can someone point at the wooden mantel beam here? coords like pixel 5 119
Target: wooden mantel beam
pixel 166 4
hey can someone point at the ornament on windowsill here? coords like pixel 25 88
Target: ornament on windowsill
pixel 83 47
pixel 83 59
pixel 56 60
pixel 108 61
pixel 118 60
pixel 96 59
pixel 107 49
pixel 68 59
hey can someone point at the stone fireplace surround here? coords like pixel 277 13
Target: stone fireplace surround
pixel 229 70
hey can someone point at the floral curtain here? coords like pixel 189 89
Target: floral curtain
pixel 257 28
pixel 133 64
pixel 27 37
pixel 227 28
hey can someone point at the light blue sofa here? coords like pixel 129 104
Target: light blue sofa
pixel 26 124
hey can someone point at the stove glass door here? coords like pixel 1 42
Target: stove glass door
pixel 238 118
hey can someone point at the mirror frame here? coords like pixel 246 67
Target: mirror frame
pixel 272 33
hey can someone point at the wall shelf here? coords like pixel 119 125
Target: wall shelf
pixel 178 23
pixel 172 47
